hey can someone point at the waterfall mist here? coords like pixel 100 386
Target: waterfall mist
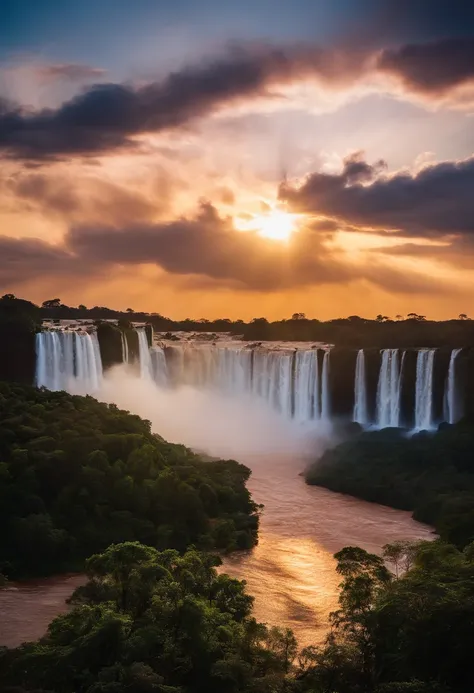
pixel 220 425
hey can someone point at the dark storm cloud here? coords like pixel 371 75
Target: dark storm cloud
pixel 438 200
pixel 106 116
pixel 432 67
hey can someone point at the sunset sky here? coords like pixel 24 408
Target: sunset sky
pixel 239 159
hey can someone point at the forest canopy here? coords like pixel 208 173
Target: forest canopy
pixel 77 475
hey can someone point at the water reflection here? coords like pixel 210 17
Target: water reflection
pixel 291 572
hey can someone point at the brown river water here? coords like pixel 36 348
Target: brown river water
pixel 291 572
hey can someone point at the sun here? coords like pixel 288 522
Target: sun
pixel 277 225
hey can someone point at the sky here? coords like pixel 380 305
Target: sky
pixel 241 159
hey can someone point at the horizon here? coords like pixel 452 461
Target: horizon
pixel 297 316
pixel 233 156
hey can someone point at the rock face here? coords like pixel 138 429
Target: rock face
pixel 19 321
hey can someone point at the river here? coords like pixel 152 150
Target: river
pixel 291 572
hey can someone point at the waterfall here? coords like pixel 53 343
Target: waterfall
pixel 159 368
pixel 424 389
pixel 68 361
pixel 389 389
pixel 325 397
pixel 124 348
pixel 144 355
pixel 307 404
pixel 452 405
pixel 360 391
pixel 288 380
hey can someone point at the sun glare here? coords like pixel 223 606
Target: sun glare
pixel 277 225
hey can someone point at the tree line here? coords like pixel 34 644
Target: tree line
pixel 163 622
pixel 411 330
pixel 77 475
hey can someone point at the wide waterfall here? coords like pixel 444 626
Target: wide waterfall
pixel 69 361
pixel 452 404
pixel 294 379
pixel 389 389
pixel 289 380
pixel 360 415
pixel 424 389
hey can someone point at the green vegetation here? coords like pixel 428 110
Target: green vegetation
pixel 150 621
pixel 432 475
pixel 77 475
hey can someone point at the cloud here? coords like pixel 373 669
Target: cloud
pixel 108 116
pixel 431 68
pixel 201 251
pixel 69 71
pixel 209 246
pixel 27 259
pixel 77 196
pixel 436 201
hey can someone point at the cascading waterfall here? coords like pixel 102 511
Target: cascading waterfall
pixel 144 355
pixel 288 380
pixel 159 366
pixel 389 389
pixel 125 354
pixel 452 405
pixel 424 389
pixel 360 414
pixel 325 396
pixel 307 401
pixel 294 381
pixel 68 361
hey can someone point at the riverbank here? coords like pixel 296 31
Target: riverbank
pixel 291 572
pixel 431 475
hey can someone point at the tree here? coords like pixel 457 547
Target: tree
pixel 81 306
pixel 130 310
pixel 463 316
pixel 298 316
pixel 399 317
pixel 51 303
pixel 401 554
pixel 8 297
pixel 382 318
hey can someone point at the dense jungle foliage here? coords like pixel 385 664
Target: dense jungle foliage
pixel 77 475
pixel 430 474
pixel 160 622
